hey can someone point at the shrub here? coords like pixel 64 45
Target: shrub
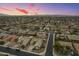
pixel 2 42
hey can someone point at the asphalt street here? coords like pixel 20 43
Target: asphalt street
pixel 16 52
pixel 49 50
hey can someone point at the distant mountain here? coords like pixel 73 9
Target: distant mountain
pixel 1 14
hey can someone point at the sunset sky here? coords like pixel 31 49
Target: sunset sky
pixel 39 9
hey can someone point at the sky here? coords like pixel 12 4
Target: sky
pixel 39 9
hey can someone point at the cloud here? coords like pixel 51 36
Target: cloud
pixel 22 10
pixel 4 8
